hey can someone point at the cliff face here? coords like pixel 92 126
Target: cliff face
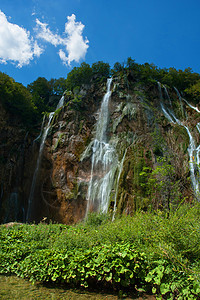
pixel 15 144
pixel 149 132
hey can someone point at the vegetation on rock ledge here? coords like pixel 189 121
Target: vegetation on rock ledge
pixel 43 95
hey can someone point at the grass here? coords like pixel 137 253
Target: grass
pixel 147 253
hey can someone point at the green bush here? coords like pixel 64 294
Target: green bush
pixel 17 100
pixel 148 252
pixel 96 219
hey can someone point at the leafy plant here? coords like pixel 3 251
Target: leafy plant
pixel 148 252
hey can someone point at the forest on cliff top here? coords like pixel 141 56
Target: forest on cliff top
pixel 42 95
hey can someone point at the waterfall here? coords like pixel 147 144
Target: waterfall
pixel 167 95
pixel 167 115
pixel 104 161
pixel 166 110
pixel 198 149
pixel 180 100
pixel 118 178
pixel 42 143
pixel 41 130
pixel 193 151
pixel 61 102
pixel 191 106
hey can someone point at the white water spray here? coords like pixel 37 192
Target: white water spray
pixel 193 151
pixel 191 106
pixel 181 102
pixel 104 161
pixel 117 186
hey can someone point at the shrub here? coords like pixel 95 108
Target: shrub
pixel 148 252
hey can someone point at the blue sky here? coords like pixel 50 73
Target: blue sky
pixel 49 38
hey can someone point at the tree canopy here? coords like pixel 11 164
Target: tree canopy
pixel 17 99
pixel 32 101
pixel 146 73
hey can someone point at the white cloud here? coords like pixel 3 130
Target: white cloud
pixel 37 50
pixel 45 33
pixel 19 48
pixel 15 43
pixel 63 56
pixel 74 44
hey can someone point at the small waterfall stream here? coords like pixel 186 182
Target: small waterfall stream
pixel 117 186
pixel 43 136
pixel 181 103
pixel 41 130
pixel 191 106
pixel 193 151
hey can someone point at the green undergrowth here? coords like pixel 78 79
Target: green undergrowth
pixel 144 253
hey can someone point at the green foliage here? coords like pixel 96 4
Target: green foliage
pixel 117 68
pixel 58 86
pixel 147 251
pixel 15 96
pixel 96 219
pixel 101 70
pixel 161 181
pixel 17 99
pixel 31 102
pixel 59 140
pixel 84 74
pixel 41 91
pixel 194 91
pixel 41 88
pixel 78 76
pixel 149 73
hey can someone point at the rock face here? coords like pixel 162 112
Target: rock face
pixel 149 129
pixel 15 149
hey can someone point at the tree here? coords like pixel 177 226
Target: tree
pixel 59 86
pixel 130 63
pixel 194 91
pixel 160 183
pixel 78 76
pixel 133 68
pixel 17 99
pixel 41 90
pixel 101 69
pixel 118 67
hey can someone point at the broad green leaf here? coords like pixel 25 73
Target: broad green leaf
pixel 164 288
pixel 153 290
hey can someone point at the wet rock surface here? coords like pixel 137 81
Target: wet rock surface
pixel 136 125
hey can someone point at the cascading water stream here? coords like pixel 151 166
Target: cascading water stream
pixel 198 149
pixel 166 110
pixel 191 106
pixel 181 102
pixel 193 151
pixel 61 102
pixel 41 130
pixel 118 178
pixel 104 161
pixel 167 95
pixel 103 157
pixel 42 143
